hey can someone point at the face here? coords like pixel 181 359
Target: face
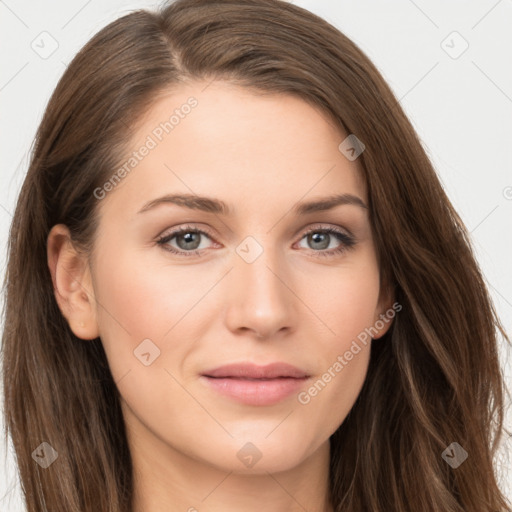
pixel 263 280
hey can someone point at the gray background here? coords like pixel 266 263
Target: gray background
pixel 459 100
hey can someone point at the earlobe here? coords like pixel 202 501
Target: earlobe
pixel 384 313
pixel 72 283
pixel 382 325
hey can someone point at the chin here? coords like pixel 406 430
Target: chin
pixel 256 455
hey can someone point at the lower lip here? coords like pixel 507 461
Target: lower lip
pixel 255 392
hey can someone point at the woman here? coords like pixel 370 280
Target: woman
pixel 175 339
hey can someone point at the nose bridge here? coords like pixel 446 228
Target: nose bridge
pixel 260 300
pixel 259 268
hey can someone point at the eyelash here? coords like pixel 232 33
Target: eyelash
pixel 348 242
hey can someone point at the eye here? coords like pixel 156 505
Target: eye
pixel 320 238
pixel 188 241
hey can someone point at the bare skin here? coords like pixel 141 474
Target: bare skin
pixel 261 155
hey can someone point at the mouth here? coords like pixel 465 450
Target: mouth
pixel 252 371
pixel 255 385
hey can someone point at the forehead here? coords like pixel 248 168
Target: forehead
pixel 249 148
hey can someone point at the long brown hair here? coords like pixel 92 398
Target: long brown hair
pixel 434 378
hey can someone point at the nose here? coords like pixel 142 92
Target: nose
pixel 260 298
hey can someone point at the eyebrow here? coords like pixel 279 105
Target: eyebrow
pixel 212 205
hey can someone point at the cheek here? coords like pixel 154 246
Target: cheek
pixel 346 307
pixel 145 300
pixel 139 302
pixel 146 320
pixel 343 303
pixel 328 399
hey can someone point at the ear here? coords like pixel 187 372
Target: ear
pixel 72 283
pixel 385 311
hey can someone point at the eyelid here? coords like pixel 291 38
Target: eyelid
pixel 185 228
pixel 324 225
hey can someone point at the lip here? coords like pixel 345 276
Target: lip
pixel 255 385
pixel 253 371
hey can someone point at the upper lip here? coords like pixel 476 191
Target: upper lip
pixel 252 371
